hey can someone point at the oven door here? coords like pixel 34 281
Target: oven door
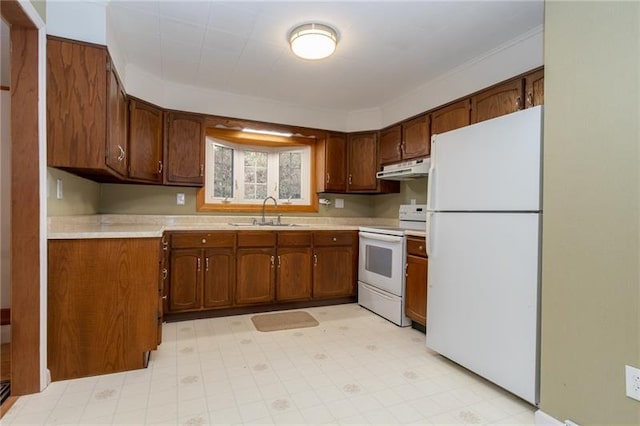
pixel 381 262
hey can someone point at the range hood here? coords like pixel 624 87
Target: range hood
pixel 413 169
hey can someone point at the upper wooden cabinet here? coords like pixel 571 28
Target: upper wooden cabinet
pixel 86 125
pixel 117 123
pixel 416 138
pixel 534 89
pixel 410 139
pixel 331 161
pixel 184 149
pixel 391 144
pixel 451 117
pixel 363 162
pixel 497 101
pixel 145 142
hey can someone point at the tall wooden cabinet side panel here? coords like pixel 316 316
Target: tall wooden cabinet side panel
pixel 76 105
pixel 184 149
pixel 145 142
pixel 102 305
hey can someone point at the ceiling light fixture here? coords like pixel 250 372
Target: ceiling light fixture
pixel 267 132
pixel 313 41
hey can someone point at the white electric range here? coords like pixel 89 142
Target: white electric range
pixel 382 260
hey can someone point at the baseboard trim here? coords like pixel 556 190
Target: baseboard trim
pixel 543 419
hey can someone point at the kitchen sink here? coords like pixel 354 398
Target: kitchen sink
pixel 288 225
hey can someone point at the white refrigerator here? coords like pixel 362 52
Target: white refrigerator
pixel 483 243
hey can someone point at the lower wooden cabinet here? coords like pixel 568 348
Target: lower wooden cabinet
pixel 334 264
pixel 255 277
pixel 102 312
pixel 201 271
pixel 219 278
pixel 227 269
pixel 416 281
pixel 293 266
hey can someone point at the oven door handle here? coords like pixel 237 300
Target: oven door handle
pixel 380 237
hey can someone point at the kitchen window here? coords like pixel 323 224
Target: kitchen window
pixel 240 174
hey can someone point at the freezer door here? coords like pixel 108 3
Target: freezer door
pixel 490 166
pixel 483 293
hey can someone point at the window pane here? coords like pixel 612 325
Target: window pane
pixel 289 175
pixel 255 175
pixel 222 172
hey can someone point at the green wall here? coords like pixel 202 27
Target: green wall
pixel 79 196
pixel 82 196
pixel 41 7
pixel 591 229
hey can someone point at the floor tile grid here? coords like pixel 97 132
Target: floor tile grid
pixel 353 368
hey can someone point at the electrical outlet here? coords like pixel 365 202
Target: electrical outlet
pixel 339 203
pixel 632 375
pixel 59 189
pixel 180 198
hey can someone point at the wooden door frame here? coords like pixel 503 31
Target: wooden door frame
pixel 28 197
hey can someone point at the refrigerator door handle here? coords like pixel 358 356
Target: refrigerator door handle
pixel 432 177
pixel 429 242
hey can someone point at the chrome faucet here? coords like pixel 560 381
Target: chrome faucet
pixel 264 205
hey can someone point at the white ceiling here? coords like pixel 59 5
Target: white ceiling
pixel 385 49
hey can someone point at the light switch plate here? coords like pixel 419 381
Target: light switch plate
pixel 59 189
pixel 180 198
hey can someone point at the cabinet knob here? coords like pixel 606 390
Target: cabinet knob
pixel 204 241
pixel 420 248
pixel 164 297
pixel 159 167
pixel 529 99
pixel 334 239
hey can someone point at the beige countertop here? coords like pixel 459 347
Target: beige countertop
pixel 152 226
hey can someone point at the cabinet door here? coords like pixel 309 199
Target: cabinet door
pixel 333 272
pixel 500 100
pixel 390 145
pixel 293 274
pixel 219 274
pixel 76 105
pixel 145 142
pixel 255 271
pixel 185 287
pixel 116 123
pixel 416 289
pixel 184 153
pixel 336 163
pixel 415 138
pixel 534 89
pixel 363 162
pixel 451 117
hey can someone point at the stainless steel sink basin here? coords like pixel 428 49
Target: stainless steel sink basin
pixel 287 225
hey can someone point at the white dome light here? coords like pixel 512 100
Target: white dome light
pixel 313 41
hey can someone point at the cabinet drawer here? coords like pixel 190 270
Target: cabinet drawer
pixel 207 240
pixel 416 246
pixel 256 239
pixel 294 239
pixel 333 238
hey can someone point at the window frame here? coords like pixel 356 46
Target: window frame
pixel 238 137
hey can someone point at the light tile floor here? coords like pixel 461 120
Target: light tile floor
pixel 354 368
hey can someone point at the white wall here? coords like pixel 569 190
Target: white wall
pixel 89 21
